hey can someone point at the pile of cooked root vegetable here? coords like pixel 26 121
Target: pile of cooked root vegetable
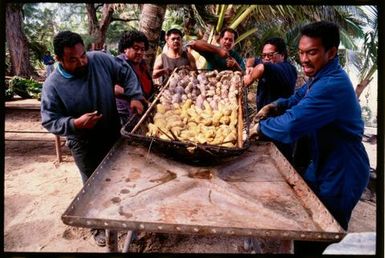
pixel 200 107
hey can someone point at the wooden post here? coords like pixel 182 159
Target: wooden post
pixel 58 148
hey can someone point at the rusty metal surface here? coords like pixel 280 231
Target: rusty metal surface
pixel 257 194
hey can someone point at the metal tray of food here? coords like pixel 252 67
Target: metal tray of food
pixel 256 194
pixel 210 117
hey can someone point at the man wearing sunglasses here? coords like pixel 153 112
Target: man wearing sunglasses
pixel 276 76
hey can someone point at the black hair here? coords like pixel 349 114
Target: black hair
pixel 174 31
pixel 279 44
pixel 65 39
pixel 128 39
pixel 229 30
pixel 328 32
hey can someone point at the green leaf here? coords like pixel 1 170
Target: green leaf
pixel 245 35
pixel 243 16
pixel 221 18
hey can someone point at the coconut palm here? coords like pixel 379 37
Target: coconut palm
pixel 150 24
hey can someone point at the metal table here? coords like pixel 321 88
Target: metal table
pixel 257 194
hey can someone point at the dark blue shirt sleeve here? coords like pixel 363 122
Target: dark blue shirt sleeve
pixel 315 109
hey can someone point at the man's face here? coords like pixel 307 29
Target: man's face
pixel 227 41
pixel 75 60
pixel 136 52
pixel 270 54
pixel 174 41
pixel 313 56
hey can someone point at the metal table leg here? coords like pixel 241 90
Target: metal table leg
pixel 112 240
pixel 127 241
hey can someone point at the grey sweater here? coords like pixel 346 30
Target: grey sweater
pixel 64 99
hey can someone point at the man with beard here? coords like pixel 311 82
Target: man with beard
pixel 327 109
pixel 173 57
pixel 78 102
pixel 222 57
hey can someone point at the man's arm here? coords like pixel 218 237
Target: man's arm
pixel 317 108
pixel 52 112
pixel 131 85
pixel 158 70
pixel 203 46
pixel 191 60
pixel 255 74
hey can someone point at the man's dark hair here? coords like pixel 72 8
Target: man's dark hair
pixel 174 31
pixel 229 30
pixel 65 39
pixel 328 32
pixel 279 44
pixel 130 37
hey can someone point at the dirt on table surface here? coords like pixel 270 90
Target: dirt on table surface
pixel 38 190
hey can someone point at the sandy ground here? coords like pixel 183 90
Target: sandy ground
pixel 38 190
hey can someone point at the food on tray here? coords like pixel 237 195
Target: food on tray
pixel 199 107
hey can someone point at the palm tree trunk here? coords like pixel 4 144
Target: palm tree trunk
pixel 17 42
pixel 150 24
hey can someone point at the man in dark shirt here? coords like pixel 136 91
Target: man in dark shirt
pixel 48 62
pixel 276 76
pixel 222 57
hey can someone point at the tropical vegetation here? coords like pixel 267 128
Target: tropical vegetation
pixel 30 28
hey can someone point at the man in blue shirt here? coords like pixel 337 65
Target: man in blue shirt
pixel 276 76
pixel 276 79
pixel 78 102
pixel 326 107
pixel 48 62
pixel 222 57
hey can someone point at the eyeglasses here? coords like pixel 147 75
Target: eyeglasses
pixel 137 48
pixel 269 55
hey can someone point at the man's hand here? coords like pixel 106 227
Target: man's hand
pixel 249 69
pixel 87 121
pixel 118 90
pixel 248 79
pixel 136 105
pixel 266 111
pixel 254 131
pixel 166 71
pixel 231 62
pixel 223 53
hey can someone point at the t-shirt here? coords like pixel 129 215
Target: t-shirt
pixel 172 63
pixel 215 62
pixel 48 60
pixel 278 81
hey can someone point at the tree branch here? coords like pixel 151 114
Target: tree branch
pixel 123 20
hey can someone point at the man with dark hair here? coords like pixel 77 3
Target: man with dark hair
pixel 174 56
pixel 78 102
pixel 276 79
pixel 276 76
pixel 48 62
pixel 222 57
pixel 327 109
pixel 132 46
